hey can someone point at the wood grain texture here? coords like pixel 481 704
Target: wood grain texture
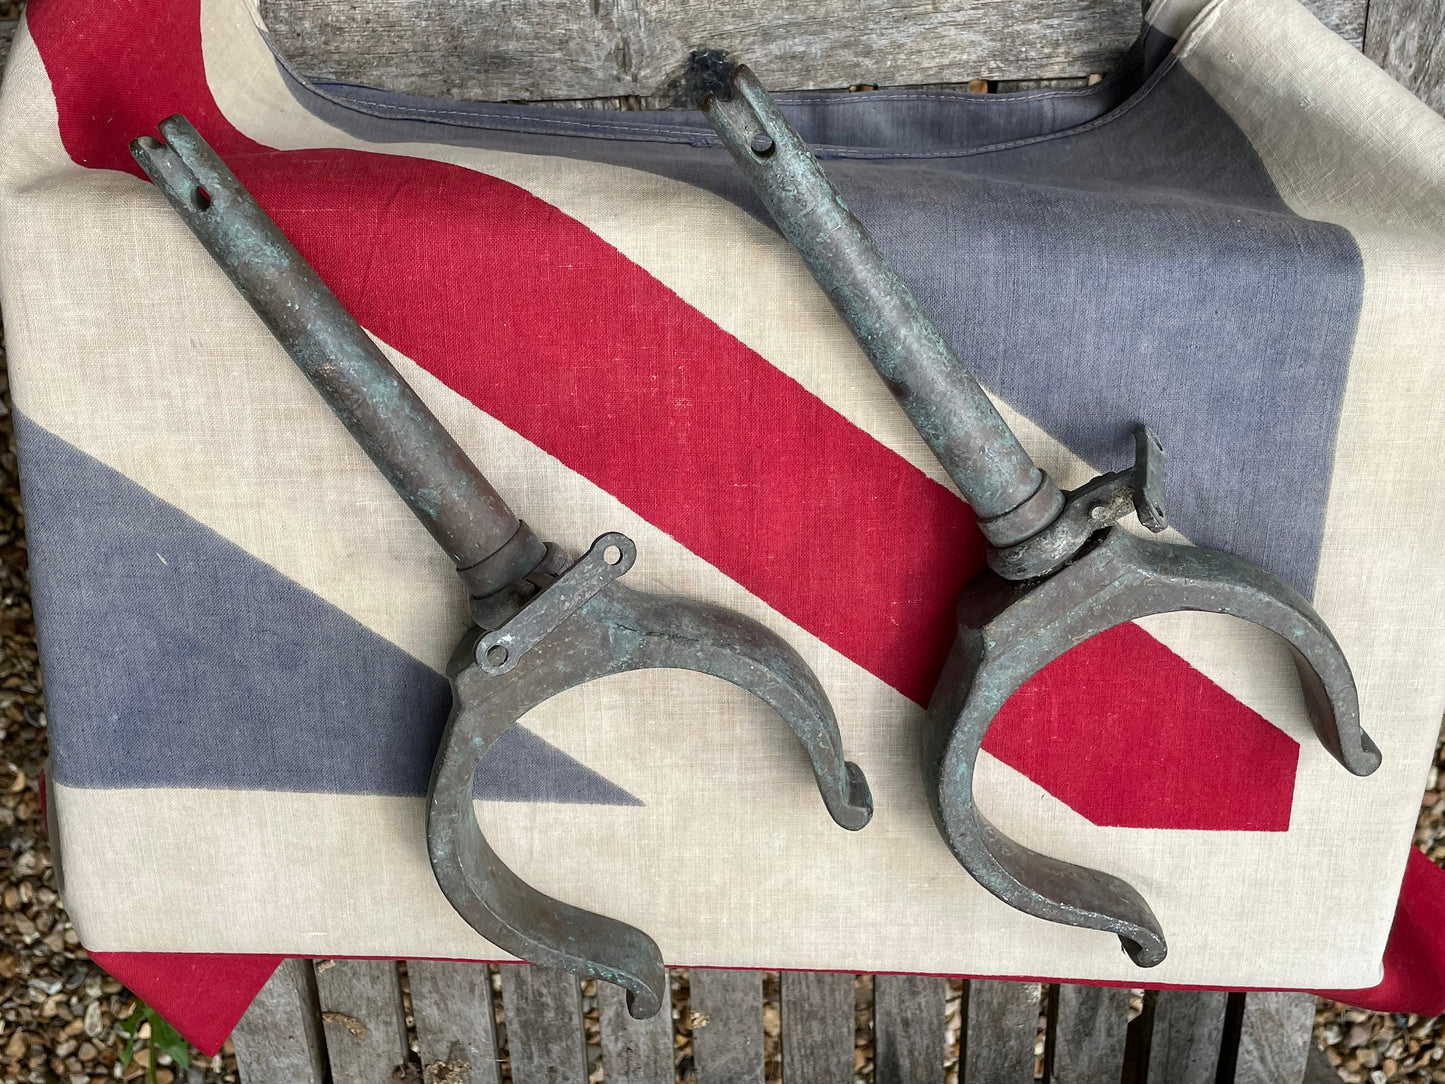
pixel 634 1051
pixel 362 1016
pixel 998 1042
pixel 1087 1032
pixel 1274 1038
pixel 486 50
pixel 727 1026
pixel 908 1025
pixel 1008 86
pixel 456 1028
pixel 1188 1028
pixel 1407 39
pixel 1345 17
pixel 817 1018
pixel 279 1039
pixel 543 1010
pixel 537 49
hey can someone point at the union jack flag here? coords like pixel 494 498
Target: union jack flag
pixel 243 630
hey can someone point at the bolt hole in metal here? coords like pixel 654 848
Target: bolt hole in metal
pixel 762 145
pixel 201 198
pixel 612 555
pixel 497 655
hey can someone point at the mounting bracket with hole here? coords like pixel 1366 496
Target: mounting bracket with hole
pixel 608 559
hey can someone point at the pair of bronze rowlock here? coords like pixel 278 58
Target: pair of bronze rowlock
pixel 1061 570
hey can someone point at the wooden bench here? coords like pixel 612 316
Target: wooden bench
pixel 356 1018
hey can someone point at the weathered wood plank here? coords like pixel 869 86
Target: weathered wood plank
pixel 817 1018
pixel 1274 1038
pixel 727 1026
pixel 1345 17
pixel 543 1010
pixel 363 1019
pixel 998 1042
pixel 634 1051
pixel 456 1027
pixel 1087 1032
pixel 1407 39
pixel 558 49
pixel 908 1025
pixel 279 1039
pixel 1008 86
pixel 1188 1028
pixel 7 35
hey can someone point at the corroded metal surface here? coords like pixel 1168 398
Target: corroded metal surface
pixel 403 438
pixel 544 624
pixel 1061 571
pixel 1011 496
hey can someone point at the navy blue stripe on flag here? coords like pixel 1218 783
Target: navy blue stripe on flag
pixel 174 658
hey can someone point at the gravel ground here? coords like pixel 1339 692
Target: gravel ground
pixel 59 1012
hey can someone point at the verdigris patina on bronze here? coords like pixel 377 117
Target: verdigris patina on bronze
pixel 544 623
pixel 1060 569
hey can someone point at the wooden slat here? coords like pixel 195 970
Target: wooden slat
pixel 1087 1034
pixel 1274 1038
pixel 634 1051
pixel 908 1026
pixel 558 49
pixel 562 49
pixel 362 1015
pixel 7 35
pixel 1345 17
pixel 1407 39
pixel 1003 1021
pixel 817 1019
pixel 279 1039
pixel 456 1027
pixel 543 1010
pixel 1188 1028
pixel 1008 86
pixel 727 1026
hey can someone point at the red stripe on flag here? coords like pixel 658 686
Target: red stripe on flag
pixel 552 331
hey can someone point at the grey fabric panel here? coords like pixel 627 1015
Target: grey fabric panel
pixel 1098 258
pixel 1147 271
pixel 900 120
pixel 175 658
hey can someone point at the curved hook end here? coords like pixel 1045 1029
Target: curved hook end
pixel 643 1002
pixel 1148 951
pixel 857 809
